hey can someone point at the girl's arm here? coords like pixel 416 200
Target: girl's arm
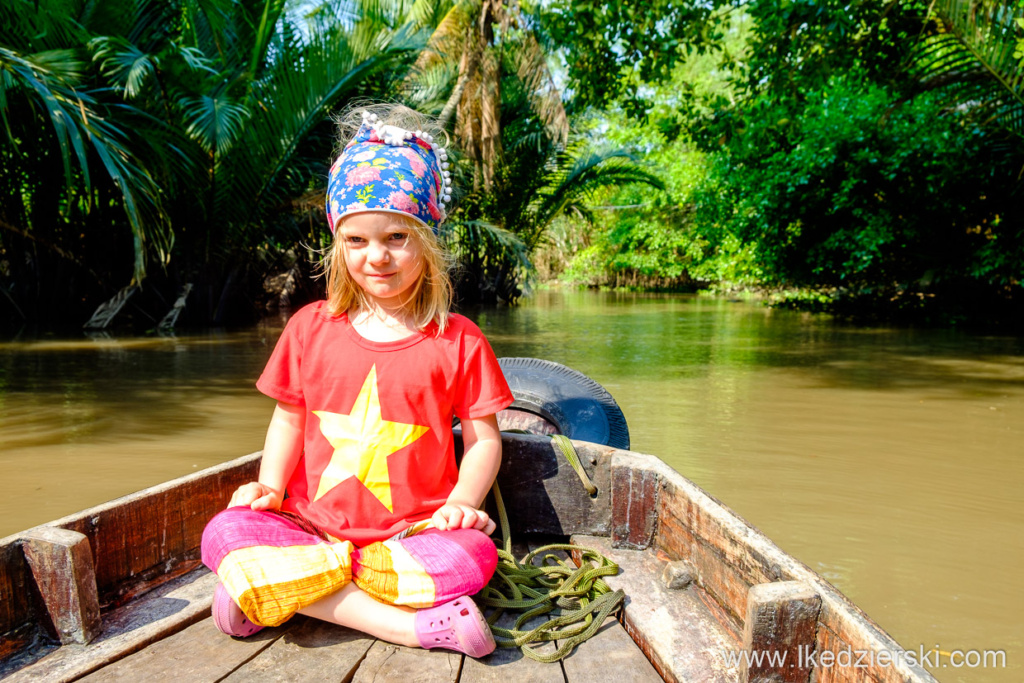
pixel 480 461
pixel 281 453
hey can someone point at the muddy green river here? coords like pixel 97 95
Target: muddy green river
pixel 889 461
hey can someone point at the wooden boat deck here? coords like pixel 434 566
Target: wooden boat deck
pixel 170 635
pixel 306 649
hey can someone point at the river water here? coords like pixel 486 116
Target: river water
pixel 890 461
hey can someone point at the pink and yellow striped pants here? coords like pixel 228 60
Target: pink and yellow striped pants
pixel 273 565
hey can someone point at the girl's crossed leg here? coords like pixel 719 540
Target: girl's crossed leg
pixel 407 590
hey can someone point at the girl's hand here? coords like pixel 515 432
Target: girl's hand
pixel 458 516
pixel 257 496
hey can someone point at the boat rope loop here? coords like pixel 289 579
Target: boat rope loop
pixel 582 599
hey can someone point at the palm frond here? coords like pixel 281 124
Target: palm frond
pixel 970 59
pixel 431 13
pixel 447 40
pixel 294 96
pixel 576 176
pixel 27 29
pixel 214 120
pixel 545 96
pixel 125 65
pixel 264 31
pixel 51 81
pixel 427 90
pixel 54 88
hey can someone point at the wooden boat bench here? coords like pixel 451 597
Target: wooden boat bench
pixel 701 585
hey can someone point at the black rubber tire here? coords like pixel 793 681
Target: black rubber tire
pixel 578 406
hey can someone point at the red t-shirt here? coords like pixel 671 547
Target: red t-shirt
pixel 378 451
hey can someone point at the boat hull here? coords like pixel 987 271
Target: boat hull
pixel 699 578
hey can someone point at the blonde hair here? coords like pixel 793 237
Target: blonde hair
pixel 431 298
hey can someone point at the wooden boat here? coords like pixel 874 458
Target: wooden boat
pixel 117 592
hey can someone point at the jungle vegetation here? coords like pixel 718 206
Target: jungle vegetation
pixel 860 157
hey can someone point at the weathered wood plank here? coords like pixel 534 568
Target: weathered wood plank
pixel 719 578
pixel 137 538
pixel 197 654
pixel 634 505
pixel 62 567
pixel 679 633
pixel 841 673
pixel 850 660
pixel 18 616
pixel 165 610
pixel 730 555
pixel 781 620
pixel 510 664
pixel 388 662
pixel 311 650
pixel 609 652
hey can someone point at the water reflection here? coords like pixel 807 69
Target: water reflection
pixel 890 461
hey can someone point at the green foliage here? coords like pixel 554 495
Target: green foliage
pixel 614 49
pixel 970 60
pixel 648 237
pixel 537 180
pixel 805 155
pixel 860 190
pixel 198 121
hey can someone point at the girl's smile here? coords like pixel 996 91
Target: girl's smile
pixel 382 256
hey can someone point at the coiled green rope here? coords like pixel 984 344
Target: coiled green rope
pixel 582 599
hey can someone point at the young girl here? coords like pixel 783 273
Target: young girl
pixel 360 516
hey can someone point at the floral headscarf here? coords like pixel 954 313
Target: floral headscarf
pixel 389 169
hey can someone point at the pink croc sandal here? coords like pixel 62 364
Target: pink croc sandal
pixel 229 617
pixel 456 625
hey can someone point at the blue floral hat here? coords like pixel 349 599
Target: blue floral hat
pixel 385 168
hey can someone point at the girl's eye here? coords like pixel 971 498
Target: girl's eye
pixel 397 236
pixel 354 239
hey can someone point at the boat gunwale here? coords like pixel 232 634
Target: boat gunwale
pixel 650 507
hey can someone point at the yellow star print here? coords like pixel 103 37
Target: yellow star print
pixel 362 442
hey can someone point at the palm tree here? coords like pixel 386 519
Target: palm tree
pixel 538 178
pixel 197 120
pixel 485 75
pixel 56 116
pixel 488 41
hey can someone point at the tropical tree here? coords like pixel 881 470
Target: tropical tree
pixel 537 179
pixel 71 154
pixel 459 75
pixel 865 154
pixel 198 120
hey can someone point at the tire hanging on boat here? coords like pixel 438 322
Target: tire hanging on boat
pixel 568 401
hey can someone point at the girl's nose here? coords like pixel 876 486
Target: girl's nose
pixel 379 253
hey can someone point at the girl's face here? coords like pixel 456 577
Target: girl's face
pixel 382 256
